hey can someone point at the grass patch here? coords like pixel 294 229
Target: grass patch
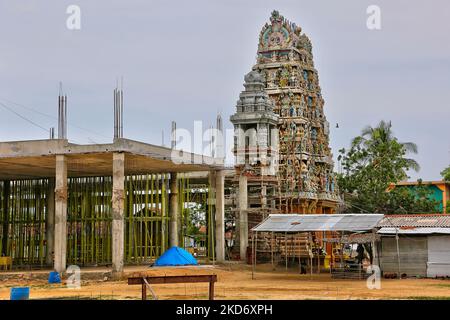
pixel 442 285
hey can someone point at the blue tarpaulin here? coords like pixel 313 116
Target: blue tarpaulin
pixel 175 257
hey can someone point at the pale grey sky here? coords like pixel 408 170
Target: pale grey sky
pixel 185 61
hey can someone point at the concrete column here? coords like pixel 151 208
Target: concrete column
pixel 264 196
pixel 173 210
pixel 60 243
pixel 118 196
pixel 50 222
pixel 220 216
pixel 243 217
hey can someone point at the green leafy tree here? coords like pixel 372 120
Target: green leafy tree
pixel 194 219
pixel 411 199
pixel 446 174
pixel 375 161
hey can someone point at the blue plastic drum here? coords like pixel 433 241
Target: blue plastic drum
pixel 20 293
pixel 54 277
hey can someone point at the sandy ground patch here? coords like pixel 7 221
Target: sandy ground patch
pixel 234 282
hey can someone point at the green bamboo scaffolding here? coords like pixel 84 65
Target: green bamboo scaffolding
pixel 89 221
pixel 23 216
pixel 24 212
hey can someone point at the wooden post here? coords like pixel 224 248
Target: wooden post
pixel 271 251
pixel 211 290
pixel 146 281
pixel 144 291
pixel 398 254
pixel 256 248
pixel 285 249
pixel 318 261
pixel 342 251
pixel 311 256
pixel 253 249
pixel 299 259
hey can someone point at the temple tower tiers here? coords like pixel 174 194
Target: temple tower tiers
pixel 255 146
pixel 306 182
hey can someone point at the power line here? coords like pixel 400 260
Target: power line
pixel 52 117
pixel 23 117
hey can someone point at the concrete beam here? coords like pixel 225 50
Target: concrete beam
pixel 220 216
pixel 243 217
pixel 50 222
pixel 60 213
pixel 118 197
pixel 173 211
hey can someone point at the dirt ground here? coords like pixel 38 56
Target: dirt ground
pixel 234 282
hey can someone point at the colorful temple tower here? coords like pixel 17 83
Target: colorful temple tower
pixel 283 162
pixel 306 182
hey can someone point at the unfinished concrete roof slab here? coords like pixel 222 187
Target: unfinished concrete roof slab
pixel 36 159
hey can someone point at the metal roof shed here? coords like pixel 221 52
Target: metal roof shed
pixel 422 247
pixel 300 223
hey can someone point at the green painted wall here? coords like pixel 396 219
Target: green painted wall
pixel 436 194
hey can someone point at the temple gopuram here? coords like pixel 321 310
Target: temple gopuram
pixel 283 161
pixel 307 183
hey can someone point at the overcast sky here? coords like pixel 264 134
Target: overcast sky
pixel 185 61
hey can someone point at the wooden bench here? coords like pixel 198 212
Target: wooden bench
pixel 5 262
pixel 173 279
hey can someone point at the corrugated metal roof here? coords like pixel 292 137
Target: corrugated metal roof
pixel 319 222
pixel 416 220
pixel 388 230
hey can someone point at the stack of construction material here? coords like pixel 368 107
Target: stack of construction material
pixel 295 246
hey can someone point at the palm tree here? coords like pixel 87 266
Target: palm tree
pixel 382 134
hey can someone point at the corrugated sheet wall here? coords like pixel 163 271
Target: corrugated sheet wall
pixel 413 255
pixel 438 256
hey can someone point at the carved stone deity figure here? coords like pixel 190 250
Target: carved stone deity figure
pixel 292 111
pixel 300 131
pixel 292 80
pixel 284 110
pixel 271 79
pixel 273 57
pixel 291 55
pixel 293 129
pixel 327 185
pixel 332 183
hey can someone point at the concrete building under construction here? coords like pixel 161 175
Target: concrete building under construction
pixel 102 204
